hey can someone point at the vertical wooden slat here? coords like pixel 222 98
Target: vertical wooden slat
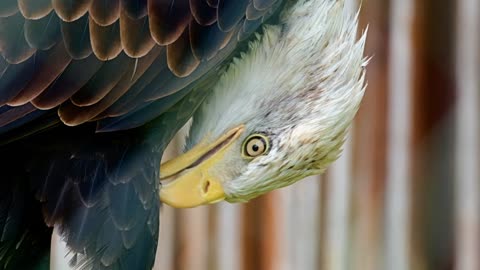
pixel 338 217
pixel 299 225
pixel 251 234
pixel 305 235
pixel 369 155
pixel 166 240
pixel 432 182
pixel 289 229
pixel 269 241
pixel 468 134
pixel 283 258
pixel 193 241
pixel 397 223
pixel 228 237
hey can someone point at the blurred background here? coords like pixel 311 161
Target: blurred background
pixel 405 193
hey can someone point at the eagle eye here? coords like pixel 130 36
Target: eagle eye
pixel 255 145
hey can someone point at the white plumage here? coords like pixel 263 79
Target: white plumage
pixel 300 83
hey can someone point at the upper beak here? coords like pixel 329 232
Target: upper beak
pixel 191 182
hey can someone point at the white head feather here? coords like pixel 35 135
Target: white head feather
pixel 300 84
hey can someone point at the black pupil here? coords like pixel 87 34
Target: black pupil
pixel 255 147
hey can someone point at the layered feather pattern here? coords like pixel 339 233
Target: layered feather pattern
pixel 48 42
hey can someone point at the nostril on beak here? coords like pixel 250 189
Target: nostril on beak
pixel 206 186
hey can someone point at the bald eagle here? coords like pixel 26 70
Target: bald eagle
pixel 92 91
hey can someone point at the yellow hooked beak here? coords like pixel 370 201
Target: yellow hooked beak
pixel 192 182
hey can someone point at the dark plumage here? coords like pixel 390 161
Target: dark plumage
pixel 91 92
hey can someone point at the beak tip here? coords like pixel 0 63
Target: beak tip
pixel 194 183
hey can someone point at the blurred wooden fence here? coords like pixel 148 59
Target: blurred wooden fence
pixel 405 193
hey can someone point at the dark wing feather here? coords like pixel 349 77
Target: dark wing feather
pixel 191 31
pixel 43 33
pixel 8 8
pixel 71 10
pixel 253 13
pixel 169 89
pixel 135 36
pixel 263 4
pixel 11 114
pixel 206 41
pixel 128 79
pixel 49 65
pixel 249 26
pixel 168 19
pixel 14 78
pixel 180 57
pixel 22 121
pixel 202 12
pixel 73 115
pixel 103 81
pixel 3 65
pixel 105 40
pixel 105 12
pixel 230 13
pixel 35 9
pixel 124 196
pixel 73 78
pixel 76 36
pixel 13 46
pixel 135 9
pixel 212 3
pixel 105 207
pixel 144 112
pixel 122 106
pixel 136 67
pixel 22 231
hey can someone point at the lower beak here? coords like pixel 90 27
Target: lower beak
pixel 190 182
